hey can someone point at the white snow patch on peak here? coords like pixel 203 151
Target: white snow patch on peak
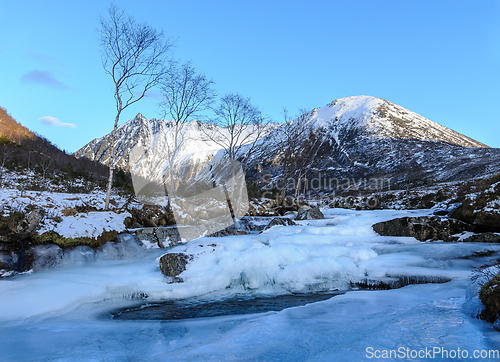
pixel 356 107
pixel 378 118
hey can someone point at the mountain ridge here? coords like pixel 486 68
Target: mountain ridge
pixel 362 135
pixel 384 119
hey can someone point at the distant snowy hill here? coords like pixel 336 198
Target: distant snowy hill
pixel 362 136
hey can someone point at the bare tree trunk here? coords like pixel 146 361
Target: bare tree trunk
pixel 112 164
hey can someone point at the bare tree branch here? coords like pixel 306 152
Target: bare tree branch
pixel 186 94
pixel 133 55
pixel 243 125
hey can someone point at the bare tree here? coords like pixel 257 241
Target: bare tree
pixel 45 165
pixel 186 94
pixel 134 56
pixel 243 124
pixel 297 145
pixel 4 157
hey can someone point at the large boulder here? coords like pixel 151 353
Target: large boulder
pixel 280 221
pixel 172 264
pixel 312 213
pixel 423 228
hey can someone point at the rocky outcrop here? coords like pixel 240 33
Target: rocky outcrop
pixel 482 220
pixel 172 264
pixel 423 228
pixel 483 238
pixel 280 221
pixel 310 213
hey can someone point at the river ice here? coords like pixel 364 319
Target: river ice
pixel 63 314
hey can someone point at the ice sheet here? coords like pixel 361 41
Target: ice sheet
pixel 57 314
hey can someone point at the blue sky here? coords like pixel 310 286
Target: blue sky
pixel 440 59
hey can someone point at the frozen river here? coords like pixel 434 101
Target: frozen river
pixel 65 314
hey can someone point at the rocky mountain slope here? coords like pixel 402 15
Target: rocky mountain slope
pixel 376 118
pixel 365 138
pixel 193 142
pixel 362 137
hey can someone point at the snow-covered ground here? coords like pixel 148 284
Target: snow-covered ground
pixel 63 314
pixel 61 215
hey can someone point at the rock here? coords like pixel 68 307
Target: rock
pixel 51 237
pixel 148 223
pixel 487 221
pixel 255 223
pixel 423 228
pixel 162 236
pixel 311 214
pixel 483 238
pixel 490 297
pixel 23 229
pixel 229 231
pixel 43 257
pixel 449 210
pixel 173 264
pixel 291 214
pixel 167 237
pixel 303 209
pixel 29 224
pixel 12 261
pixel 280 221
pixel 481 219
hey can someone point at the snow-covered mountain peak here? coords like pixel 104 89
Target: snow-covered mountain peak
pixel 377 118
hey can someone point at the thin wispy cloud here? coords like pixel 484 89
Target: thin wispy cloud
pixel 53 121
pixel 157 96
pixel 45 59
pixel 45 78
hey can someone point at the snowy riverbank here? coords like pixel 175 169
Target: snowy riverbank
pixel 60 314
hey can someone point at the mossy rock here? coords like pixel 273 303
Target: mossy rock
pixel 490 297
pixel 51 237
